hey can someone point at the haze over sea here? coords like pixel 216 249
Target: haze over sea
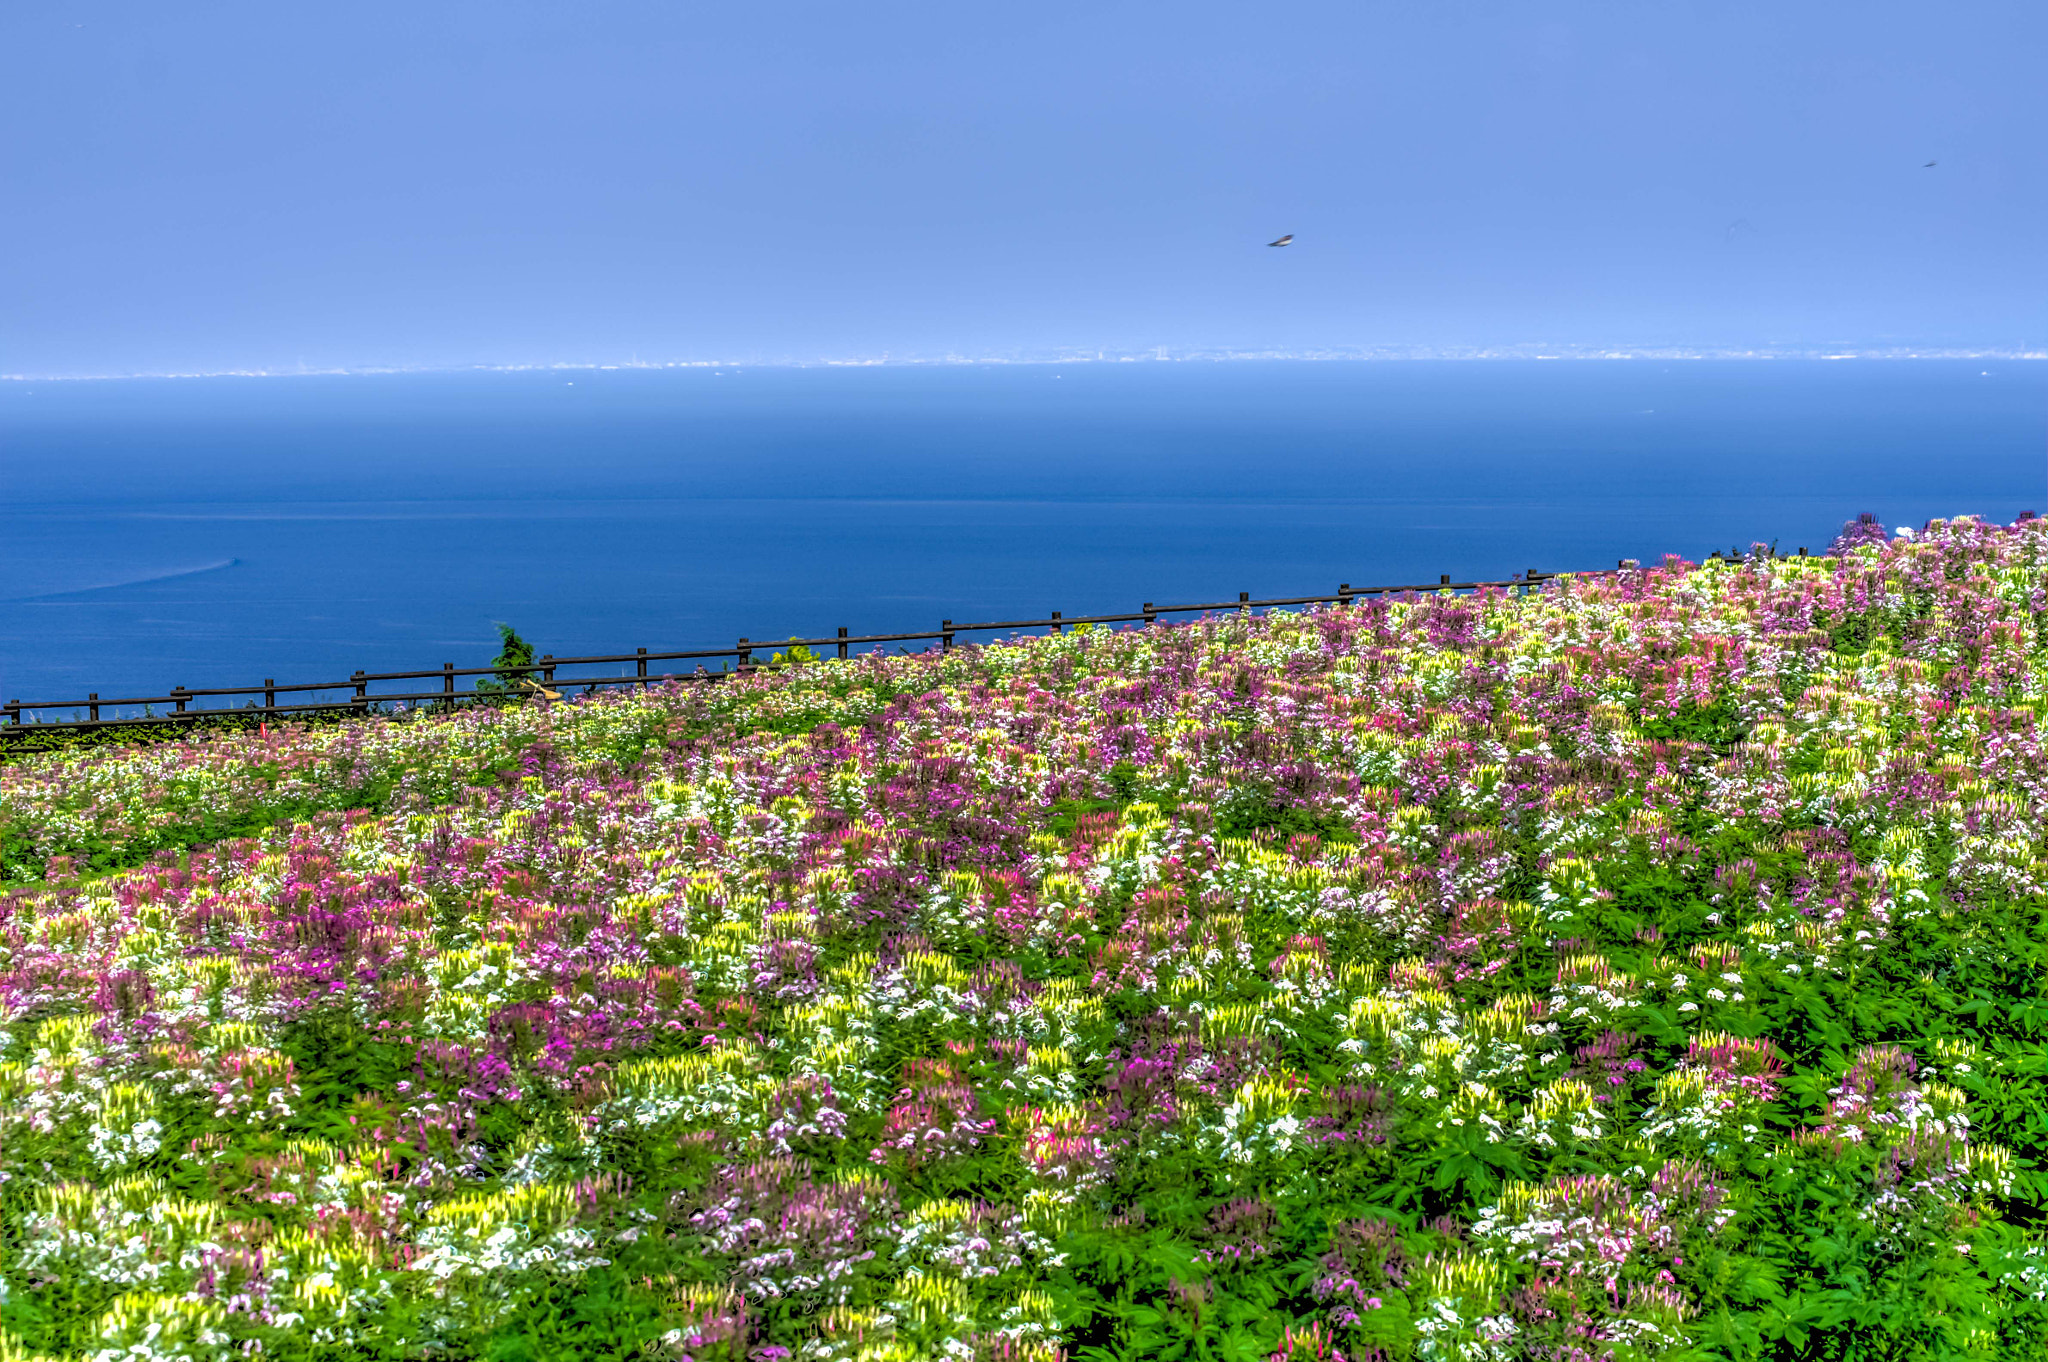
pixel 217 531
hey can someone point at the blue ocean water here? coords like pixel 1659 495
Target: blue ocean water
pixel 217 531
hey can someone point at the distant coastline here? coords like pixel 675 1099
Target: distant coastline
pixel 1155 355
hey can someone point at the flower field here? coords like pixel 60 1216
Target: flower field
pixel 1651 966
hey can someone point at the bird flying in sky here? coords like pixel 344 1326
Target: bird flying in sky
pixel 1928 166
pixel 1285 240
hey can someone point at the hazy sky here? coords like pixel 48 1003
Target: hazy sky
pixel 213 185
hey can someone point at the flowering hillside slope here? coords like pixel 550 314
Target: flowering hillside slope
pixel 1650 966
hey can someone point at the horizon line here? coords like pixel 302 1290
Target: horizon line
pixel 1154 355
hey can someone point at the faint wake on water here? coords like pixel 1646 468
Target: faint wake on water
pixel 151 579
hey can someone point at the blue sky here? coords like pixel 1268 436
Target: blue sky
pixel 223 185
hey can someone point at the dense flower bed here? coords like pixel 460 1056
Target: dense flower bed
pixel 1648 967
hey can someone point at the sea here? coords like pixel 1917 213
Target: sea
pixel 217 531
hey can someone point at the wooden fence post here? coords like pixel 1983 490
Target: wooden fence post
pixel 945 636
pixel 842 643
pixel 178 693
pixel 94 699
pixel 746 657
pixel 1057 627
pixel 361 699
pixel 448 681
pixel 1150 614
pixel 643 669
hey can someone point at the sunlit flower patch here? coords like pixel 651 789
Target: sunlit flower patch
pixel 1650 966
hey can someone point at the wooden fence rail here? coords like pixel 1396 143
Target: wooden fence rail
pixel 178 703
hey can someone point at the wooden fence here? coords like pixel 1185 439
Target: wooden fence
pixel 181 703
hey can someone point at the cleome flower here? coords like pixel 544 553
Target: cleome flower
pixel 1486 976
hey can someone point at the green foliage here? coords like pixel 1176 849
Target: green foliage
pixel 1253 817
pixel 514 662
pixel 1065 816
pixel 1718 725
pixel 798 655
pixel 21 742
pixel 1850 633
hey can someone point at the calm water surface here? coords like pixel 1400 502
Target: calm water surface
pixel 217 531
